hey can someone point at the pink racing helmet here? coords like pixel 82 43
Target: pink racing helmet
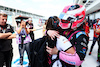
pixel 72 16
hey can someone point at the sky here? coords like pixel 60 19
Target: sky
pixel 40 7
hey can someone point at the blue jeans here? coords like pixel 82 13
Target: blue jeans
pixel 21 51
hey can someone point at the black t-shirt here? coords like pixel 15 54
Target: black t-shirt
pixel 6 44
pixel 30 26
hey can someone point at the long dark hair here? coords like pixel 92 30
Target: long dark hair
pixel 50 26
pixel 53 23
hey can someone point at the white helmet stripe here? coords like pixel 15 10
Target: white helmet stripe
pixel 67 16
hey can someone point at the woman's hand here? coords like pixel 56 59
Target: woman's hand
pixel 53 33
pixel 52 50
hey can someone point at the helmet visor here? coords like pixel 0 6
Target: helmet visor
pixel 65 21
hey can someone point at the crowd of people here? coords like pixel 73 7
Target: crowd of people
pixel 70 31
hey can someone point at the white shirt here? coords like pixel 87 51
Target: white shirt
pixel 62 44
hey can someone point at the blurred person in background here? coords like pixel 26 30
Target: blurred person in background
pixel 91 24
pixel 44 28
pixel 31 27
pixel 95 36
pixel 86 27
pixel 6 35
pixel 98 32
pixel 23 39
